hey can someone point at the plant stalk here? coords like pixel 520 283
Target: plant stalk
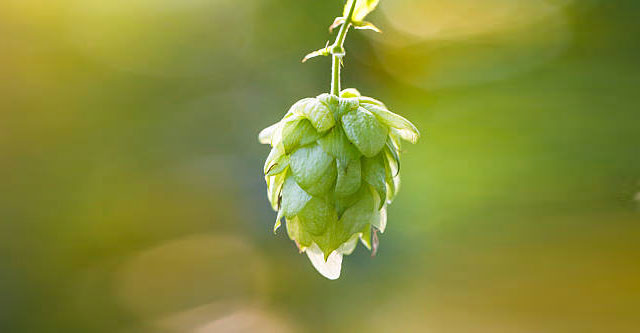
pixel 338 45
pixel 335 75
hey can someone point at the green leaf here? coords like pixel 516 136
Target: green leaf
pixel 404 128
pixel 318 114
pixel 365 131
pixel 336 144
pixel 373 172
pixel 365 25
pixel 308 164
pixel 336 23
pixel 363 7
pixel 294 198
pixel 316 216
pixel 349 177
pixel 298 133
pixel 317 53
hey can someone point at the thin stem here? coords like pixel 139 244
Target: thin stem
pixel 335 75
pixel 338 45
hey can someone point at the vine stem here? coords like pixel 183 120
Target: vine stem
pixel 335 75
pixel 337 51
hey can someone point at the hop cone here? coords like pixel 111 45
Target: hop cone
pixel 332 170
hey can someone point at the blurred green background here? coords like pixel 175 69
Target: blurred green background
pixel 132 198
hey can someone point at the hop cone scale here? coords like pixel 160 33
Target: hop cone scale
pixel 332 170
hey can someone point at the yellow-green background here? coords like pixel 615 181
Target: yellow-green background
pixel 132 199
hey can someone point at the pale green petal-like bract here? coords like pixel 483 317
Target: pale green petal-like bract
pixel 293 198
pixel 365 131
pixel 405 128
pixel 308 164
pixel 317 112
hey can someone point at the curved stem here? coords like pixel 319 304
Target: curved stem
pixel 338 45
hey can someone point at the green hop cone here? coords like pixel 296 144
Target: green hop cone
pixel 332 171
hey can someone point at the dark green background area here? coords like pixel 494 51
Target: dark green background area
pixel 132 197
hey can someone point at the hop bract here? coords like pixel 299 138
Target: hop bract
pixel 332 170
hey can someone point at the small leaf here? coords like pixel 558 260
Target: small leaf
pixel 308 164
pixel 321 52
pixel 294 198
pixel 404 128
pixel 363 7
pixel 336 23
pixel 318 114
pixel 365 131
pixel 365 25
pixel 349 177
